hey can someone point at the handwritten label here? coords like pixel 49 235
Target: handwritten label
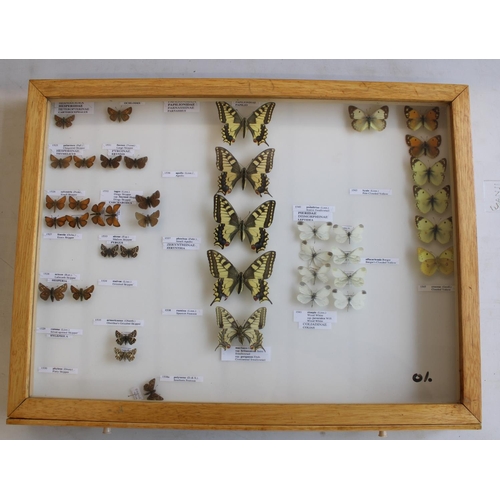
pixel 180 378
pixel 117 238
pixel 63 150
pixel 378 260
pixel 243 353
pixel 492 196
pixel 135 393
pixel 313 213
pixel 179 173
pixel 180 243
pixel 379 192
pixel 118 322
pixel 122 196
pixel 62 236
pixel 74 108
pixel 126 283
pixel 436 288
pixel 59 277
pixel 59 333
pixel 181 106
pixel 182 312
pixel 121 149
pixel 54 369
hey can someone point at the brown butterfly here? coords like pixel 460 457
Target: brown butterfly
pixel 110 162
pixel 125 338
pixel 60 162
pixel 121 115
pixel 55 221
pixel 109 251
pixel 78 204
pixel 64 121
pixel 59 204
pixel 135 162
pixel 147 219
pixel 81 293
pixel 83 162
pixel 97 211
pixel 53 293
pixel 129 252
pixel 125 355
pixel 112 215
pixel 415 120
pixel 148 201
pixel 78 222
pixel 419 147
pixel 150 391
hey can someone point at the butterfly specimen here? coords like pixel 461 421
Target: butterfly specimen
pixel 311 256
pixel 79 222
pixel 78 204
pixel 121 115
pixel 351 233
pixel 64 121
pixel 125 338
pixel 426 202
pixel 361 121
pixel 81 293
pixel 148 201
pixel 322 232
pixel 255 173
pixel 135 162
pixel 97 212
pixel 147 219
pixel 249 331
pixel 55 221
pixel 343 278
pixel 84 162
pixel 110 162
pixel 415 120
pixel 125 355
pixel 54 293
pixel 60 162
pixel 311 274
pixel 109 251
pixel 229 278
pixel 256 122
pixel 319 297
pixel 112 215
pixel 253 227
pixel 418 147
pixel 422 174
pixel 129 252
pixel 429 264
pixel 56 205
pixel 342 256
pixel 356 301
pixel 150 391
pixel 427 231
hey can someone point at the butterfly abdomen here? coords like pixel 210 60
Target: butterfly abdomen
pixel 240 282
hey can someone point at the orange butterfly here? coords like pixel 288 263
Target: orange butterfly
pixel 147 220
pixel 109 251
pixel 64 121
pixel 120 115
pixel 125 338
pixel 51 204
pixel 428 148
pixel 77 221
pixel 80 293
pixel 53 293
pixel 148 201
pixel 415 120
pixel 60 162
pixel 135 162
pixel 111 215
pixel 55 221
pixel 78 204
pixel 110 162
pixel 83 162
pixel 97 211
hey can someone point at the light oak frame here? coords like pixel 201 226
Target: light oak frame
pixel 26 410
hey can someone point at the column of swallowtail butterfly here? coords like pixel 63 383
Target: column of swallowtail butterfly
pixel 253 228
pixel 431 193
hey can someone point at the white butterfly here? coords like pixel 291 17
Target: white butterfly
pixel 342 278
pixel 356 301
pixel 307 231
pixel 311 256
pixel 352 233
pixel 319 297
pixel 312 274
pixel 341 256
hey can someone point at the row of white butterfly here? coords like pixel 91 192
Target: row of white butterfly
pixel 342 234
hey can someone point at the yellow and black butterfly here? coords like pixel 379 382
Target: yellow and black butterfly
pixel 255 173
pixel 415 120
pixel 55 204
pixel 82 293
pixel 112 215
pixel 110 162
pixel 52 293
pixel 55 221
pixel 253 227
pixel 249 330
pixel 78 204
pixel 109 251
pixel 146 202
pixel 427 231
pixel 229 278
pixel 121 115
pixel 256 122
pixel 135 162
pixel 125 338
pixel 84 162
pixel 64 121
pixel 97 212
pixel 423 174
pixel 362 121
pixel 60 162
pixel 426 202
pixel 147 219
pixel 429 148
pixel 150 391
pixel 78 222
pixel 125 355
pixel 429 263
pixel 129 252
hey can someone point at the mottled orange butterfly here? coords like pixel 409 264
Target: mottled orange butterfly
pixel 129 252
pixel 81 293
pixel 54 293
pixel 78 204
pixel 110 162
pixel 125 338
pixel 415 120
pixel 97 211
pixel 55 221
pixel 64 121
pixel 119 115
pixel 148 201
pixel 83 162
pixel 125 355
pixel 135 162
pixel 60 162
pixel 56 205
pixel 112 215
pixel 109 251
pixel 419 147
pixel 79 222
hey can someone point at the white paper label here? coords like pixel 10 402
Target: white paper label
pixel 180 378
pixel 118 322
pixel 179 173
pixel 59 332
pixel 243 353
pixel 117 238
pixel 62 236
pixel 132 103
pixel 313 213
pixel 122 196
pixel 65 192
pixel 181 106
pixel 63 150
pixel 126 283
pixel 370 260
pixel 74 108
pixel 53 369
pixel 180 243
pixel 436 288
pixel 315 325
pixel 135 393
pixel 301 316
pixel 359 191
pixel 182 312
pixel 59 277
pixel 121 149
pixel 245 104
pixel 491 196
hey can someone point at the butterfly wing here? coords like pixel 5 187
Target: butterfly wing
pixel 256 274
pixel 340 256
pixel 432 146
pixel 58 293
pixel 257 121
pixel 153 218
pixel 230 168
pixel 342 235
pixel 64 121
pixel 227 275
pixel 135 162
pixel 124 114
pixel 340 301
pixel 145 202
pixel 311 256
pixel 445 261
pixel 423 174
pixel 87 292
pixel 44 291
pixel 112 215
pixel 229 327
pixel 256 172
pixel 357 301
pixel 378 119
pixel 428 262
pixel 252 326
pixel 256 224
pixel 341 278
pixel 414 119
pixel 307 231
pixel 229 222
pixel 359 119
pixel 430 119
pixel 438 201
pixel 231 119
